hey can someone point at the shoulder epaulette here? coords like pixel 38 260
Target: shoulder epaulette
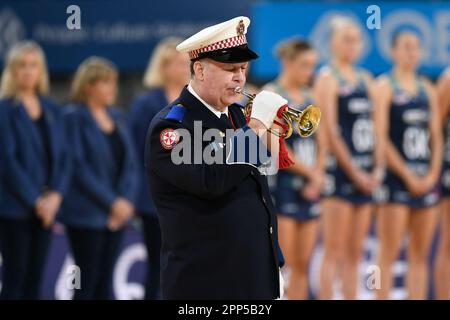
pixel 176 113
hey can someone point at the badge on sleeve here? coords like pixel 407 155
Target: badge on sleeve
pixel 169 138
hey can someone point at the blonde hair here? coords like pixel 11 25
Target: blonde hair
pixel 8 83
pixel 90 71
pixel 164 52
pixel 340 22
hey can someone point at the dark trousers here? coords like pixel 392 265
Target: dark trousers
pixel 24 245
pixel 95 253
pixel 152 238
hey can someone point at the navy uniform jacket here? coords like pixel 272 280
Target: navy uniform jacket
pixel 93 190
pixel 24 160
pixel 219 231
pixel 142 111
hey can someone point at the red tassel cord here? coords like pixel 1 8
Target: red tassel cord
pixel 248 111
pixel 283 157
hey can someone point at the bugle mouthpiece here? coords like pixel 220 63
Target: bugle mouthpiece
pixel 238 89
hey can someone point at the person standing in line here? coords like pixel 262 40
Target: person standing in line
pixel 411 128
pixel 36 173
pixel 167 73
pixel 355 166
pixel 297 190
pixel 442 262
pixel 104 183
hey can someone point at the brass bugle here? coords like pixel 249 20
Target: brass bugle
pixel 305 122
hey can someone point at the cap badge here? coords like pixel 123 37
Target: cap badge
pixel 240 29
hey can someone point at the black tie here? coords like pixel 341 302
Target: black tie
pixel 224 119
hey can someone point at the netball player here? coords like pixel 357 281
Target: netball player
pixel 344 93
pixel 298 189
pixel 411 128
pixel 442 266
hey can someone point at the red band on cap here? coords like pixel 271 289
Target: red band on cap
pixel 224 44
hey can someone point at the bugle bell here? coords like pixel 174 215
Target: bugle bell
pixel 305 122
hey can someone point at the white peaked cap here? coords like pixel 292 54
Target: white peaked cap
pixel 225 42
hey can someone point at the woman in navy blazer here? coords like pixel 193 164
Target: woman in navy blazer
pixel 104 183
pixel 166 75
pixel 35 173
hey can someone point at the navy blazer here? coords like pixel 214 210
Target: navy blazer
pixel 142 111
pixel 93 189
pixel 23 157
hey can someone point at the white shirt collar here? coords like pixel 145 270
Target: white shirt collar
pixel 215 111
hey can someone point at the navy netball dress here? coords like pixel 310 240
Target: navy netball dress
pixel 356 128
pixel 409 132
